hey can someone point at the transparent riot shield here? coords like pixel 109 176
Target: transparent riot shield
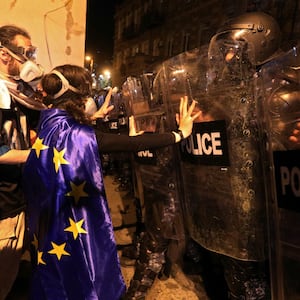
pixel 156 171
pixel 220 163
pixel 281 79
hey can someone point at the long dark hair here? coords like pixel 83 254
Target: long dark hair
pixel 71 101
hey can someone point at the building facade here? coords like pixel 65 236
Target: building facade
pixel 148 32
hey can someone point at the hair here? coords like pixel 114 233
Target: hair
pixel 72 102
pixel 9 32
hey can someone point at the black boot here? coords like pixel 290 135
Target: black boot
pixel 148 266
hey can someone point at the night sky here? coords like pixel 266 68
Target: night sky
pixel 100 30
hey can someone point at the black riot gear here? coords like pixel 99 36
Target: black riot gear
pixel 156 185
pixel 259 30
pixel 226 201
pixel 284 106
pixel 282 110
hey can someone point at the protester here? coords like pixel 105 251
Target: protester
pixel 19 112
pixel 69 223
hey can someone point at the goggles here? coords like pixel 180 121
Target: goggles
pixel 28 53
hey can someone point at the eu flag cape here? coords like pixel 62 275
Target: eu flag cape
pixel 74 250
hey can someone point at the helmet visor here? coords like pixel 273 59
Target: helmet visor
pixel 230 56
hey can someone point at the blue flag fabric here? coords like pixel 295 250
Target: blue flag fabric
pixel 74 249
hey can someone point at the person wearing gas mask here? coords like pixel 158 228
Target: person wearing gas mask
pixel 19 113
pixel 226 200
pixel 63 185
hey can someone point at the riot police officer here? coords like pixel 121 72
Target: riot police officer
pixel 282 112
pixel 226 200
pixel 162 238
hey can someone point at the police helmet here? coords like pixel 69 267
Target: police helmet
pixel 258 29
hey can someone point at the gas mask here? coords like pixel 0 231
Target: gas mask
pixel 30 71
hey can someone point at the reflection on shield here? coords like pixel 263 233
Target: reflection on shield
pixel 231 60
pixel 156 170
pixel 281 82
pixel 224 205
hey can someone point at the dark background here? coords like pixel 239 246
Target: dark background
pixel 100 31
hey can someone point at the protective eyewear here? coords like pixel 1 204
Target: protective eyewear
pixel 28 52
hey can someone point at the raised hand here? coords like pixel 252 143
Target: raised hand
pixel 105 107
pixel 186 116
pixel 132 127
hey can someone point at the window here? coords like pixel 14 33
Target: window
pixel 186 41
pixel 156 47
pixel 170 47
pixel 119 30
pixel 136 17
pixel 126 53
pixel 128 19
pixel 145 47
pixel 135 49
pixel 119 59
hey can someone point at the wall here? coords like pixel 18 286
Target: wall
pixel 57 28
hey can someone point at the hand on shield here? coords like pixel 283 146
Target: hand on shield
pixel 295 137
pixel 132 127
pixel 186 116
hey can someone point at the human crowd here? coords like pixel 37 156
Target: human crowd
pixel 53 202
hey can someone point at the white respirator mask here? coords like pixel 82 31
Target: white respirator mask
pixel 30 71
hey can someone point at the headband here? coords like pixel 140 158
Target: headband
pixel 65 85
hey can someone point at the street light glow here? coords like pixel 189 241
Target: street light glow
pixel 106 73
pixel 90 59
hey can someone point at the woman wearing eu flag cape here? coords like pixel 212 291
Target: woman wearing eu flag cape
pixel 74 251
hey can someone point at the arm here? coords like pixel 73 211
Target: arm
pixel 105 107
pixel 14 156
pixel 185 119
pixel 110 142
pixel 136 142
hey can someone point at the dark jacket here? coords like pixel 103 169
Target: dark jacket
pixel 11 193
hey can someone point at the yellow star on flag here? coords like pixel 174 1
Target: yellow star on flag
pixel 58 250
pixel 35 242
pixel 38 146
pixel 76 228
pixel 77 191
pixel 40 260
pixel 58 158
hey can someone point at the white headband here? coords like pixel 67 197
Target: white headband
pixel 65 85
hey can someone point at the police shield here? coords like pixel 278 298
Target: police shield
pixel 157 183
pixel 281 79
pixel 174 79
pixel 221 163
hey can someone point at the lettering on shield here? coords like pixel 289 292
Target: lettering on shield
pixel 207 145
pixel 146 157
pixel 287 178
